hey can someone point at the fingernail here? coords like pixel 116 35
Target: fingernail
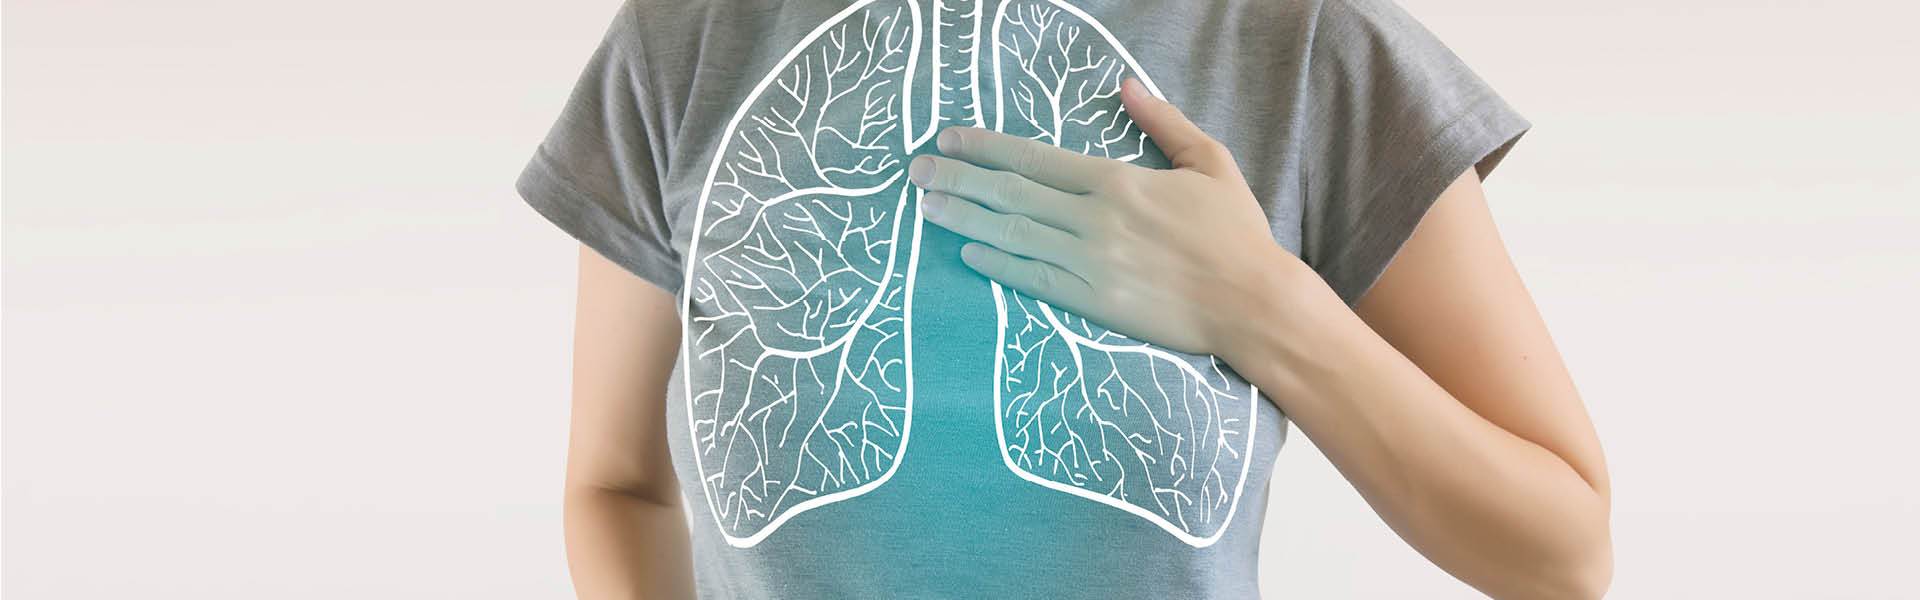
pixel 921 172
pixel 932 204
pixel 971 252
pixel 949 141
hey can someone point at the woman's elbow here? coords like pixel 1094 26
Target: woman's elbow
pixel 1585 575
pixel 1594 579
pixel 1577 566
pixel 1586 568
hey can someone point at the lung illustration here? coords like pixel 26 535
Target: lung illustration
pixel 1163 435
pixel 798 315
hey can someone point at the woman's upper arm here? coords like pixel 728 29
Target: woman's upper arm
pixel 626 337
pixel 1452 302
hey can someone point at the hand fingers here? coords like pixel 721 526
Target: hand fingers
pixel 1017 234
pixel 1182 141
pixel 1002 191
pixel 1031 277
pixel 1046 164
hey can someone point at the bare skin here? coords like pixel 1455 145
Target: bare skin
pixel 625 530
pixel 1441 397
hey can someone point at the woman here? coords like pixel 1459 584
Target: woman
pixel 899 299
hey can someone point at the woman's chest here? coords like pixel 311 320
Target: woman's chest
pixel 834 346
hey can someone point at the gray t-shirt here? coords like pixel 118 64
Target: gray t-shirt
pixel 854 413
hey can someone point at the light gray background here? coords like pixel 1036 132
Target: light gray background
pixel 276 325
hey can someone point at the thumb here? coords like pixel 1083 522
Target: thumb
pixel 1182 141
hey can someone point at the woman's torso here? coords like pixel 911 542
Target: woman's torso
pixel 854 412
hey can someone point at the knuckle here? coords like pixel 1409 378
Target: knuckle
pixel 961 180
pixel 1016 228
pixel 1127 187
pixel 1217 151
pixel 1005 186
pixel 1045 279
pixel 1025 158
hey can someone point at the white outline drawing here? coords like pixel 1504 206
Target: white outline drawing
pixel 1026 103
pixel 818 299
pixel 791 298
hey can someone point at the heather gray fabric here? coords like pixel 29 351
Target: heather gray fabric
pixel 855 414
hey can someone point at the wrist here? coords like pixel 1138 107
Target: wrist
pixel 1281 310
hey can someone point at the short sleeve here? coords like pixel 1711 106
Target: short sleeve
pixel 1391 117
pixel 596 174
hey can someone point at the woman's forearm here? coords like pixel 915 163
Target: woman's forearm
pixel 1499 512
pixel 621 546
pixel 1495 476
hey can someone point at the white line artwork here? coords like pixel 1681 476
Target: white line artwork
pixel 797 322
pixel 1165 436
pixel 799 280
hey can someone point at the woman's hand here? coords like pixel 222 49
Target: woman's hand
pixel 1180 257
pixel 1473 444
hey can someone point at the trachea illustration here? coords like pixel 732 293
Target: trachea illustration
pixel 800 279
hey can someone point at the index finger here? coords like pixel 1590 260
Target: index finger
pixel 1043 163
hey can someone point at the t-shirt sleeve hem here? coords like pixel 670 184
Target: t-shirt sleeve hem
pixel 1481 137
pixel 561 203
